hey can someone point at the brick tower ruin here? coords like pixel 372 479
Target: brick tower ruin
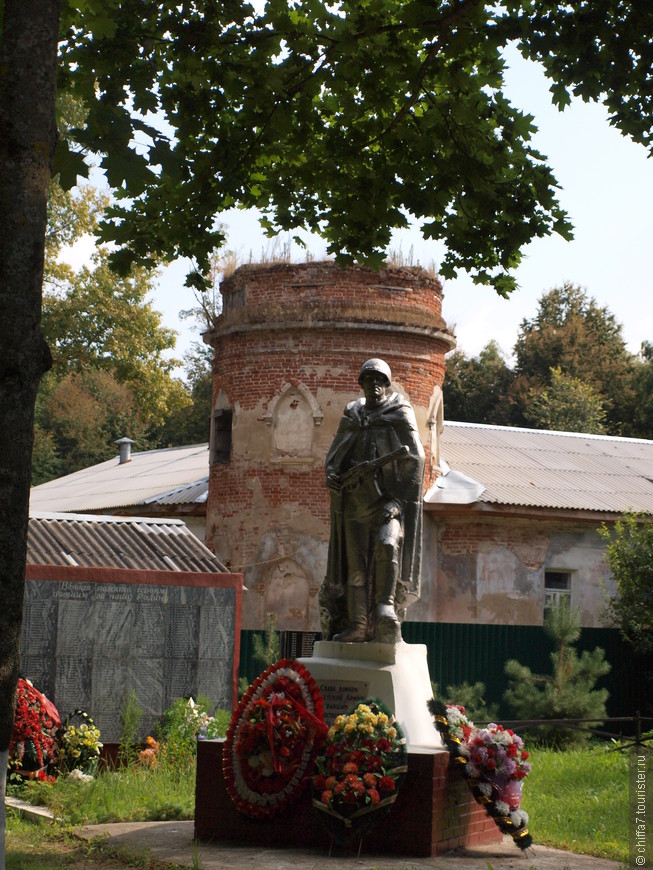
pixel 289 345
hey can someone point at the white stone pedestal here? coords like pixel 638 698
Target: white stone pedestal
pixel 396 674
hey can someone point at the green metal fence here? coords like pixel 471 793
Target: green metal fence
pixel 463 652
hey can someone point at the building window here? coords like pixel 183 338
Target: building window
pixel 557 588
pixel 222 435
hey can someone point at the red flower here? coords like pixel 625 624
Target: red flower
pixel 490 764
pixel 525 755
pixel 386 783
pixel 375 797
pixel 370 780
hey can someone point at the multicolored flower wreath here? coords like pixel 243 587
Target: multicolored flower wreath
pixel 360 768
pixel 273 739
pixel 494 763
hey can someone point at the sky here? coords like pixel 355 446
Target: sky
pixel 606 186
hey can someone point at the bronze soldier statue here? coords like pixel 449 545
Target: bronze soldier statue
pixel 375 471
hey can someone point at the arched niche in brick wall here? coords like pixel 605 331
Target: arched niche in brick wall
pixel 292 417
pixel 287 595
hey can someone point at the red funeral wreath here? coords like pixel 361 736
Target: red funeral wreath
pixel 273 739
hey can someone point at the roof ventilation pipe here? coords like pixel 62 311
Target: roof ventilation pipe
pixel 125 445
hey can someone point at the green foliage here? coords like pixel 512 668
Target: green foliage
pixel 566 405
pixel 640 422
pixel 184 723
pixel 267 649
pixel 111 375
pixel 629 553
pixel 572 373
pixel 78 419
pixel 569 691
pixel 131 715
pixel 475 389
pixel 191 424
pixel 471 696
pixel 574 337
pixel 288 109
pixel 597 51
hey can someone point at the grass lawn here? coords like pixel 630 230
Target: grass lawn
pixel 578 800
pixel 40 846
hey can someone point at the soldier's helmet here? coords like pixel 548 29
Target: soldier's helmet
pixel 375 365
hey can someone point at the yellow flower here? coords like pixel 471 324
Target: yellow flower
pixel 382 719
pixel 392 733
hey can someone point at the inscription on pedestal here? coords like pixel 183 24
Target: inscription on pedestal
pixel 341 697
pixel 88 645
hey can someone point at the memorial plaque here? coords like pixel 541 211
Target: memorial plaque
pixel 87 645
pixel 341 697
pixel 148 630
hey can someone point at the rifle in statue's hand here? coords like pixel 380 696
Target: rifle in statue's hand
pixel 353 477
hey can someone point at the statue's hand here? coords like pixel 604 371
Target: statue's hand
pixel 333 483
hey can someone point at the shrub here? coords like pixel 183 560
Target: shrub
pixel 471 696
pixel 569 691
pixel 131 716
pixel 184 723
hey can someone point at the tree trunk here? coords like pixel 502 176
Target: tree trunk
pixel 28 69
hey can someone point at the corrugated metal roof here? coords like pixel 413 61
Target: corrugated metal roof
pixel 509 466
pixel 536 468
pixel 116 542
pixel 149 475
pixel 192 493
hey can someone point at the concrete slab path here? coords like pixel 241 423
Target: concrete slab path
pixel 173 842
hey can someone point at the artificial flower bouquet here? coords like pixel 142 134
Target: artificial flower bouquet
pixel 33 746
pixel 79 745
pixel 494 763
pixel 359 770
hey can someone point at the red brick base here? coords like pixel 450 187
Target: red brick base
pixel 434 813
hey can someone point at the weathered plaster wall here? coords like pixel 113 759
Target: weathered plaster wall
pixel 492 570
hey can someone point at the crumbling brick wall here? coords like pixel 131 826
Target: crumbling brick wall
pixel 288 349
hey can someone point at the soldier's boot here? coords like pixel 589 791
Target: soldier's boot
pixel 388 627
pixel 357 630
